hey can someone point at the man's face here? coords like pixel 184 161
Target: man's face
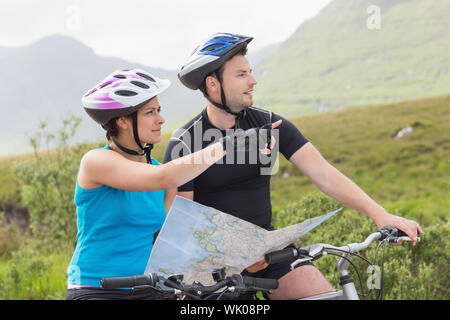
pixel 238 83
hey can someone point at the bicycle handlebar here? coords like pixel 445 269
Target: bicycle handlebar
pixel 281 255
pixel 315 251
pixel 173 286
pixel 237 282
pixel 128 282
pixel 260 283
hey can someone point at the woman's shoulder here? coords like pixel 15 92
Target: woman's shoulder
pixel 96 155
pixel 91 165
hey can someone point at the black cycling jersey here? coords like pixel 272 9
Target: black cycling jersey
pixel 239 183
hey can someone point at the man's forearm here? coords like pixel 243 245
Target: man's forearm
pixel 338 186
pixel 333 183
pixel 169 196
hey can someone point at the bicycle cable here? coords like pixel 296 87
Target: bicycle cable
pixel 222 293
pixel 368 262
pixel 352 253
pixel 181 288
pixel 384 243
pixel 380 294
pixel 356 270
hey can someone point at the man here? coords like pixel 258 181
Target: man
pixel 220 70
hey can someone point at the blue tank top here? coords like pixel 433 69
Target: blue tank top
pixel 115 232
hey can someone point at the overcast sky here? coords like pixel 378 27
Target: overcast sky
pixel 155 33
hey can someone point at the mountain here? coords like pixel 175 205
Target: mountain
pixel 258 56
pixel 349 55
pixel 44 81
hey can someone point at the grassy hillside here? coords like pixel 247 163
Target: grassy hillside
pixel 334 60
pixel 408 176
pixel 358 141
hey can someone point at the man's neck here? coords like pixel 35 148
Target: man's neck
pixel 220 118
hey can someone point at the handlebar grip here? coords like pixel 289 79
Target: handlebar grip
pixel 260 283
pixel 400 233
pixel 389 231
pixel 127 282
pixel 281 255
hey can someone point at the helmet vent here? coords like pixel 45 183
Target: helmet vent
pixel 126 93
pixel 140 84
pixel 227 39
pixel 119 76
pixel 213 47
pixel 105 84
pixel 90 92
pixel 143 75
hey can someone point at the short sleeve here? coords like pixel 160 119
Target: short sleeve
pixel 290 138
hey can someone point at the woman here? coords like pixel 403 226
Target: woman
pixel 119 191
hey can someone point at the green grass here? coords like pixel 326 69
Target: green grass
pixel 34 274
pixel 408 176
pixel 9 187
pixel 412 273
pixel 333 60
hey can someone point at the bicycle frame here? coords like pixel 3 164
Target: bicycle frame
pixel 348 291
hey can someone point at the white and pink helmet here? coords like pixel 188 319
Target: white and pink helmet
pixel 122 93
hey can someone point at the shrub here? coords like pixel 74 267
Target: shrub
pixel 35 266
pixel 34 273
pixel 409 273
pixel 47 184
pixel 10 240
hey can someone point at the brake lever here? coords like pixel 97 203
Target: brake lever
pixel 158 290
pixel 309 253
pixel 403 238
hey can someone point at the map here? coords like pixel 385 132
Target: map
pixel 196 239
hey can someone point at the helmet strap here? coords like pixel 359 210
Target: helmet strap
pixel 147 148
pixel 223 105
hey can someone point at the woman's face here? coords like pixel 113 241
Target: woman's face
pixel 150 122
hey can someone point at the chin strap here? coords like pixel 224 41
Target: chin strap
pixel 147 149
pixel 224 106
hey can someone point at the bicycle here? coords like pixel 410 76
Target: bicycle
pixel 173 288
pixel 313 252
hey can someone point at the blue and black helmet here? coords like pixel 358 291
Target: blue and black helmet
pixel 209 57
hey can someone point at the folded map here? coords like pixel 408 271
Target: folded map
pixel 196 239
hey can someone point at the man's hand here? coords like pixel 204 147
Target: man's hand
pixel 248 140
pixel 268 150
pixel 260 265
pixel 410 227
